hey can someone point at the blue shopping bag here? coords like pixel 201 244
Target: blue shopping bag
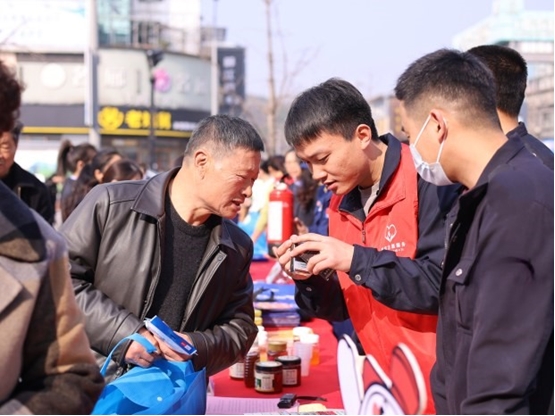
pixel 167 387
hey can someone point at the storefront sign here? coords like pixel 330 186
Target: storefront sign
pixel 118 120
pixel 231 63
pixel 112 120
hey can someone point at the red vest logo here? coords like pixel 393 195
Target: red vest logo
pixel 390 232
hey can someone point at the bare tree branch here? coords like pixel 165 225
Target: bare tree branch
pixel 272 101
pixel 276 99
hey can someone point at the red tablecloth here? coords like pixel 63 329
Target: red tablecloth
pixel 322 380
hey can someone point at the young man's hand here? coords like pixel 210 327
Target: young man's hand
pixel 331 253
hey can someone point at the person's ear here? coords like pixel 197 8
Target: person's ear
pixel 437 119
pixel 364 135
pixel 98 175
pixel 79 166
pixel 201 161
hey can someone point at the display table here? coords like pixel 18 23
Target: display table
pixel 322 380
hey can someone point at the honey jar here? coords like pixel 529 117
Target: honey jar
pixel 249 367
pixel 268 377
pixel 291 370
pixel 276 349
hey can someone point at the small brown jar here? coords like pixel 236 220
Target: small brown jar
pixel 276 349
pixel 250 361
pixel 268 377
pixel 291 370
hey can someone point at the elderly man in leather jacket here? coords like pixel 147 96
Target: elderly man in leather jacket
pixel 166 246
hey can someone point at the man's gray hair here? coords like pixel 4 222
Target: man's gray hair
pixel 226 134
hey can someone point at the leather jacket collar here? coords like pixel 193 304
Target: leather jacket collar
pixel 150 201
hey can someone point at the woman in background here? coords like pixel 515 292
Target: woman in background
pixel 123 170
pixel 91 175
pixel 71 159
pixel 255 216
pixel 312 200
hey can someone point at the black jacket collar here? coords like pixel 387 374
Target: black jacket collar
pixel 17 176
pixel 20 235
pixel 351 201
pixel 518 132
pixel 500 159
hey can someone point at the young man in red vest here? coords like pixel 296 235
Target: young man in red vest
pixel 386 228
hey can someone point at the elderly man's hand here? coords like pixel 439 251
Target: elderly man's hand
pixel 136 353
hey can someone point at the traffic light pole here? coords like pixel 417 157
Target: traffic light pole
pixel 151 132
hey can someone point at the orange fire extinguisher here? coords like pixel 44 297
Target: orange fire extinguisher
pixel 280 216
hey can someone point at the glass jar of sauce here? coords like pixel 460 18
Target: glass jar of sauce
pixel 291 370
pixel 268 377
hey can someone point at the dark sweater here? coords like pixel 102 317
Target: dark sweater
pixel 183 249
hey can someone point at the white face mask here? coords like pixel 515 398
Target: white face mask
pixel 430 172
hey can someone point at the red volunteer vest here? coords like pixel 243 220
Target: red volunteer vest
pixel 391 224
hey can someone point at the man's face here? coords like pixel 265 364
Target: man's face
pixel 339 164
pixel 228 181
pixel 7 153
pixel 426 147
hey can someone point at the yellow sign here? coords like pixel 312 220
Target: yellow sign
pixel 112 118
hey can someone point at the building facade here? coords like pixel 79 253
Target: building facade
pixel 47 45
pixel 530 32
pixel 527 31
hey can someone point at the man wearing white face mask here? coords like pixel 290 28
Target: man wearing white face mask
pixel 495 328
pixel 430 172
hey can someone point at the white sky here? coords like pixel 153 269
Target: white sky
pixel 366 42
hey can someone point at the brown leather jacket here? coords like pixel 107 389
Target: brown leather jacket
pixel 114 240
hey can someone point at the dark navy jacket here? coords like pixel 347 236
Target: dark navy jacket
pixel 320 223
pixel 535 146
pixel 495 329
pixel 31 191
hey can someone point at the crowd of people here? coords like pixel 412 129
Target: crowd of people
pixel 79 168
pixel 442 242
